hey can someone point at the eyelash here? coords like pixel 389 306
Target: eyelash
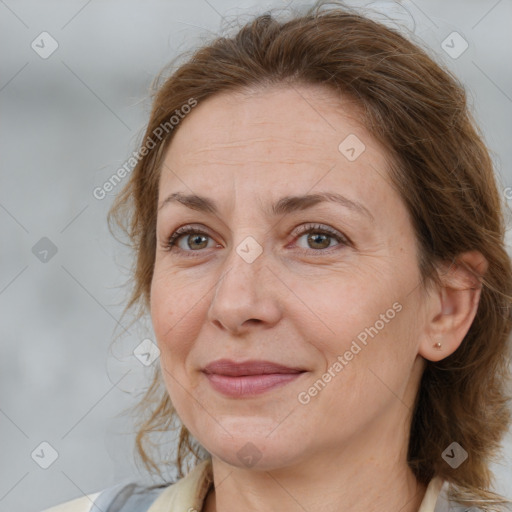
pixel 171 242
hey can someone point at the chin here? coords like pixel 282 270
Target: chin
pixel 252 458
pixel 254 448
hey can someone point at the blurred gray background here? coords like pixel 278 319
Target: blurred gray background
pixel 70 117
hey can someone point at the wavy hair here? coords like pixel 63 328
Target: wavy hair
pixel 443 172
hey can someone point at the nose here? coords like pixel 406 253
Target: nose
pixel 246 293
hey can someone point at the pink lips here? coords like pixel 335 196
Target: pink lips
pixel 248 378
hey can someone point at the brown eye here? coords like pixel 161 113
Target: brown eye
pixel 196 241
pixel 188 239
pixel 318 237
pixel 319 240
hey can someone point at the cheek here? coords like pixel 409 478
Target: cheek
pixel 175 310
pixel 367 325
pixel 347 309
pixel 362 378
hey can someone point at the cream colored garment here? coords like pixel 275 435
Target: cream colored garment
pixel 188 494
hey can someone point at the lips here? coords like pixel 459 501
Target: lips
pixel 249 378
pixel 233 369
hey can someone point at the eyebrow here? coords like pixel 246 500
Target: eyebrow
pixel 287 204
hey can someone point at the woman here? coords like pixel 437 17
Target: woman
pixel 319 243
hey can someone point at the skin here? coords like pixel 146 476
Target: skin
pixel 299 303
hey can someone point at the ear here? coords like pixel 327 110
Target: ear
pixel 452 308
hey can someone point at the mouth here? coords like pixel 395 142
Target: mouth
pixel 249 378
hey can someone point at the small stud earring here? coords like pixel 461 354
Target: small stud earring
pixel 438 346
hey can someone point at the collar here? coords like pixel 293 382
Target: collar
pixel 190 492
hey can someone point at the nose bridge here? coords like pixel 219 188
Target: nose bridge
pixel 243 267
pixel 241 293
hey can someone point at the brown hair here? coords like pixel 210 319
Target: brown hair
pixel 443 172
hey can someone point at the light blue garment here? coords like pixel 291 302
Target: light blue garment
pixel 126 498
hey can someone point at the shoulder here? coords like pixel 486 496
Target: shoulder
pixel 187 493
pixel 78 505
pixel 437 499
pixel 444 502
pixel 130 497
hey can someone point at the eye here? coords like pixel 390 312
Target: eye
pixel 189 239
pixel 318 237
pixel 194 239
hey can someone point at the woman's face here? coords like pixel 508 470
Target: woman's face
pixel 327 287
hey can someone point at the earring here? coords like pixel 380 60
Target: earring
pixel 438 346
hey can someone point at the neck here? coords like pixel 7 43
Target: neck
pixel 362 477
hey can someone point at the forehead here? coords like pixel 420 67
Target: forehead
pixel 267 121
pixel 275 141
